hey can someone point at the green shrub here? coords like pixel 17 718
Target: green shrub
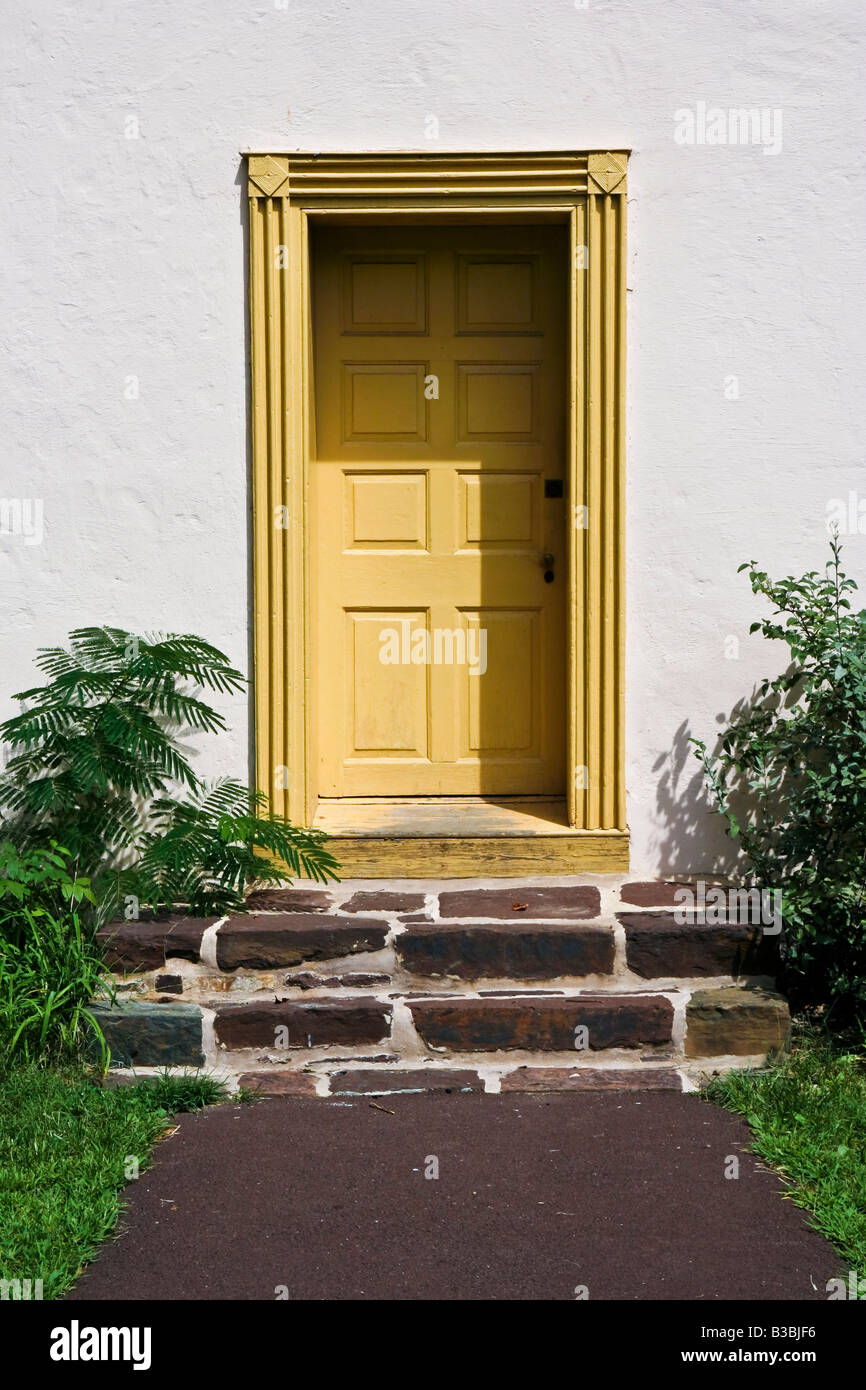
pixel 50 965
pixel 789 777
pixel 39 877
pixel 98 765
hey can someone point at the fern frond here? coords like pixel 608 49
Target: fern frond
pixel 97 763
pixel 197 660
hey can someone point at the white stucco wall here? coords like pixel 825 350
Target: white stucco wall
pixel 124 258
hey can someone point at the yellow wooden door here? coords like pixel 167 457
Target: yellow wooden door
pixel 438 521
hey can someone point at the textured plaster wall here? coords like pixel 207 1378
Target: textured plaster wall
pixel 124 264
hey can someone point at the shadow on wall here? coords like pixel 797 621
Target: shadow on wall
pixel 694 839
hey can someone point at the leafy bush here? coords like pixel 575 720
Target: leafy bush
pixel 50 965
pixel 97 762
pixel 38 877
pixel 790 779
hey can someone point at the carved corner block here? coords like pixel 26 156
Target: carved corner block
pixel 267 175
pixel 606 172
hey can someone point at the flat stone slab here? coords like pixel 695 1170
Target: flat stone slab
pixel 591 1079
pixel 278 1083
pixel 549 1024
pixel 169 984
pixel 303 1023
pixel 560 904
pixel 524 993
pixel 288 938
pixel 657 946
pixel 736 1022
pixel 383 901
pixel 307 979
pixel 290 900
pixel 131 946
pixel 383 1083
pixel 514 950
pixel 117 1077
pixel 654 893
pixel 152 1035
pixel 355 1061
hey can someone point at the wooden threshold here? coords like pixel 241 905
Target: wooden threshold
pixel 464 837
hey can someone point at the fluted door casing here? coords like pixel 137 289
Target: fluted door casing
pixel 585 192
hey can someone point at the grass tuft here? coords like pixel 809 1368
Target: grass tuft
pixel 67 1149
pixel 808 1118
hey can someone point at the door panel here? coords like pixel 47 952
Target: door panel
pixel 439 390
pixel 388 702
pixel 502 712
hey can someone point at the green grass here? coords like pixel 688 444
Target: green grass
pixel 808 1119
pixel 65 1150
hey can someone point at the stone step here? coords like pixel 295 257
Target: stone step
pixel 550 1023
pixel 524 985
pixel 301 1036
pixel 592 1079
pixel 146 945
pixel 152 1035
pixel 656 945
pixel 395 1081
pixel 383 1081
pixel 506 950
pixel 571 904
pixel 294 1024
pixel 264 940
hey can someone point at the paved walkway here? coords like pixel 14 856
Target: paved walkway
pixel 624 1194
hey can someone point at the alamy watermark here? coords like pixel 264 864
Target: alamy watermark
pixel 854 1288
pixel 443 646
pixel 713 905
pixel 22 516
pixel 738 125
pixel 77 1343
pixel 21 1290
pixel 846 516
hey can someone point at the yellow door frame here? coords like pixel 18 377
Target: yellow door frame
pixel 587 189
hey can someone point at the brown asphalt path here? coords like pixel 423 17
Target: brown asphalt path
pixel 536 1195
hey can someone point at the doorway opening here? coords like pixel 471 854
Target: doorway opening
pixel 438 503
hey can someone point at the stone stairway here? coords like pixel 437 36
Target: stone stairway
pixel 370 989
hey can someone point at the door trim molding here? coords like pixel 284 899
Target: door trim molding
pixel 587 189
